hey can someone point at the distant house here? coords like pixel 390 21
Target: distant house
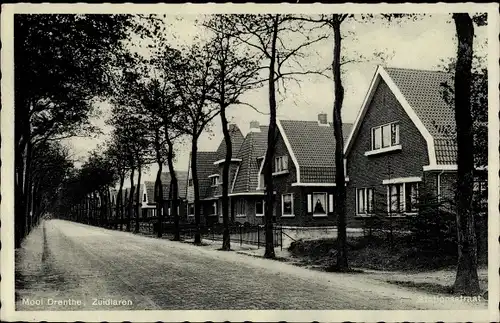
pixel 214 192
pixel 246 197
pixel 148 197
pixel 304 172
pixel 209 204
pixel 402 145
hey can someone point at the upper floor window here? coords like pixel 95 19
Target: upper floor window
pixel 190 209
pixel 281 164
pixel 144 197
pixel 385 136
pixel 190 182
pixel 214 180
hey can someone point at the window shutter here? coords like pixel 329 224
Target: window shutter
pixel 330 203
pixel 309 203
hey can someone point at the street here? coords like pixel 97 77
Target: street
pixel 71 266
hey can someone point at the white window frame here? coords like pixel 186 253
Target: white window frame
pixel 263 208
pixel 236 211
pixel 283 215
pixel 214 180
pixel 325 206
pixel 384 147
pixel 402 211
pixel 216 205
pixel 280 165
pixel 366 201
pixel 189 209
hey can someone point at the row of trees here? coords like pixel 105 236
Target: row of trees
pixel 60 67
pixel 175 92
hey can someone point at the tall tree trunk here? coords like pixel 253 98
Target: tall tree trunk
pixel 271 143
pixel 110 208
pixel 159 198
pixel 226 239
pixel 28 179
pixel 138 200
pixel 466 281
pixel 119 203
pixel 130 199
pixel 23 136
pixel 174 191
pixel 196 186
pixel 340 191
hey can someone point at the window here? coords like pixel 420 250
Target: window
pixel 259 207
pixel 190 182
pixel 214 180
pixel 287 205
pixel 214 208
pixel 385 136
pixel 396 197
pixel 240 207
pixel 144 197
pixel 411 197
pixel 319 203
pixel 403 197
pixel 190 209
pixel 364 201
pixel 281 164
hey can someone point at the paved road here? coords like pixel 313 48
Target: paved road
pixel 76 264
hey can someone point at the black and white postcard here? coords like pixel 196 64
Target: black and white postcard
pixel 249 162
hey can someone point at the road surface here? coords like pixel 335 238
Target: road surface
pixel 71 266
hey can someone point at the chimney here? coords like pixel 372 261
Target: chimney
pixel 254 126
pixel 322 119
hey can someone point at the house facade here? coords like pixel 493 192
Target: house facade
pixel 402 146
pixel 148 205
pixel 246 197
pixel 304 172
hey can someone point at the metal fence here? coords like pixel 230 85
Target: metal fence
pixel 239 233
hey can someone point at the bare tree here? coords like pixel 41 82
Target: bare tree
pixel 193 81
pixel 235 72
pixel 466 281
pixel 280 40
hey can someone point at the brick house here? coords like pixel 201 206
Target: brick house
pixel 246 198
pixel 402 145
pixel 304 172
pixel 215 188
pixel 148 198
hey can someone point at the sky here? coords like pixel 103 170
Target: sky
pixel 421 44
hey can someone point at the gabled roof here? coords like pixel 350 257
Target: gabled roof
pixel 205 167
pixel 165 180
pixel 236 141
pixel 253 147
pixel 420 93
pixel 312 148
